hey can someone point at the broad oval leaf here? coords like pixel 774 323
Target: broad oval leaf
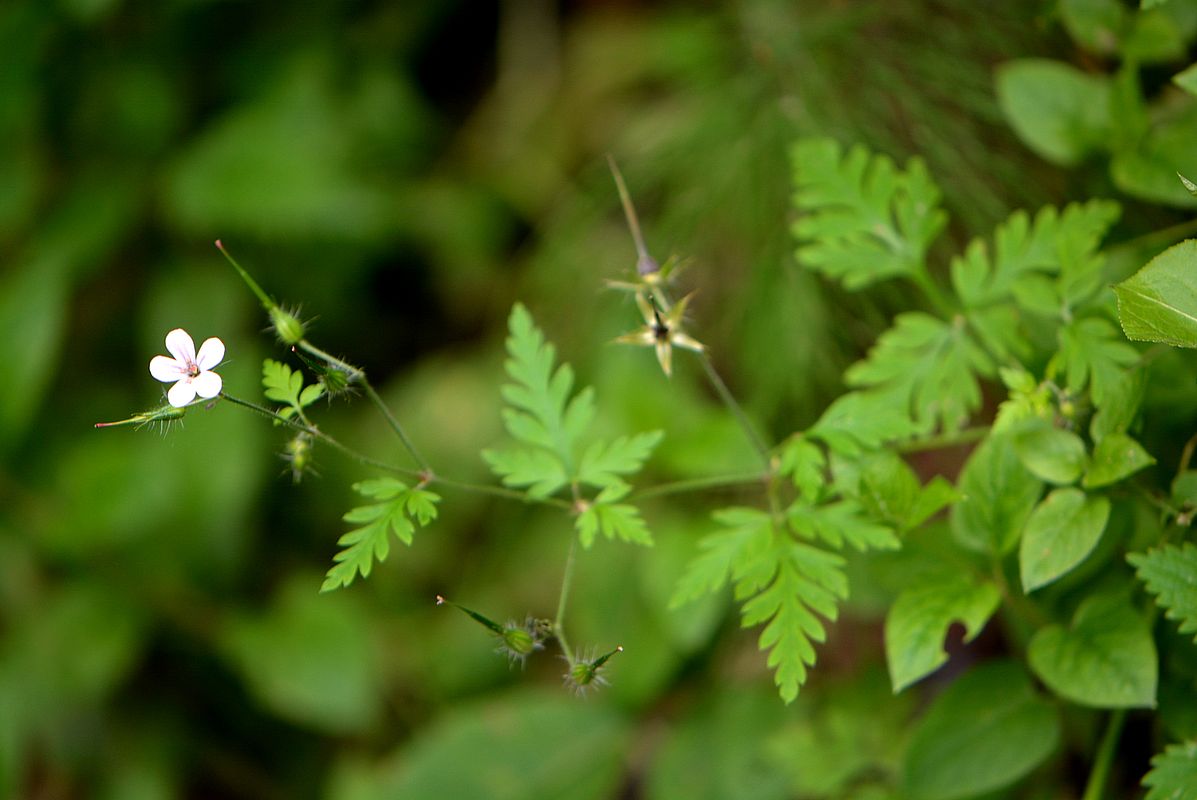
pixel 1115 457
pixel 999 495
pixel 1159 302
pixel 1060 112
pixel 1062 531
pixel 919 619
pixel 1106 658
pixel 986 731
pixel 1051 454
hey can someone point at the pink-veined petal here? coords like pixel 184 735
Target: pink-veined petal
pixel 210 354
pixel 166 369
pixel 207 384
pixel 181 394
pixel 179 345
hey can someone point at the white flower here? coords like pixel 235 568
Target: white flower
pixel 191 373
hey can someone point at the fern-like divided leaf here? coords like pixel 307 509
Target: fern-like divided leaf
pixel 284 385
pixel 1170 573
pixel 549 422
pixel 926 367
pixel 864 220
pixel 1173 774
pixel 783 583
pixel 399 510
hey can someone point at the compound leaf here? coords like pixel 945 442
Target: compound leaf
pixel 398 511
pixel 863 219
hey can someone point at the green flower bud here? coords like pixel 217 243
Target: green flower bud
pixel 298 454
pixel 583 674
pixel 516 641
pixel 286 325
pixel 164 414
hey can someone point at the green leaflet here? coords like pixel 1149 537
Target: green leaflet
pixel 860 421
pixel 1061 113
pixel 863 220
pixel 399 511
pixel 918 621
pixel 927 368
pixel 284 385
pixel 889 491
pixel 1051 454
pixel 984 732
pixel 1040 263
pixel 1061 532
pixel 1173 774
pixel 1169 572
pixel 782 583
pixel 1094 356
pixel 614 520
pixel 1159 302
pixel 549 421
pixel 1106 658
pixel 1115 457
pixel 999 495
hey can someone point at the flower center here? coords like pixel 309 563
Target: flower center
pixel 193 369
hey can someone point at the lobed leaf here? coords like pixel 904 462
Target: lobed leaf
pixel 400 510
pixel 604 462
pixel 863 220
pixel 613 520
pixel 1095 356
pixel 860 421
pixel 1170 574
pixel 927 368
pixel 1173 774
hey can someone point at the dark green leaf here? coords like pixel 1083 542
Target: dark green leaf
pixel 1061 532
pixel 1106 658
pixel 986 731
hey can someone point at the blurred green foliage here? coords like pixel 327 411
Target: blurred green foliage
pixel 405 171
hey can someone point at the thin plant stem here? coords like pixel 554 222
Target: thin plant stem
pixel 729 400
pixel 322 436
pixel 629 210
pixel 1186 455
pixel 358 375
pixel 425 478
pixel 559 622
pixel 1099 775
pixel 698 484
pixel 258 291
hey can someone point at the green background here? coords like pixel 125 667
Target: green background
pixel 403 172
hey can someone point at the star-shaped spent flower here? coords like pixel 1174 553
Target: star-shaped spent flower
pixel 190 372
pixel 662 331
